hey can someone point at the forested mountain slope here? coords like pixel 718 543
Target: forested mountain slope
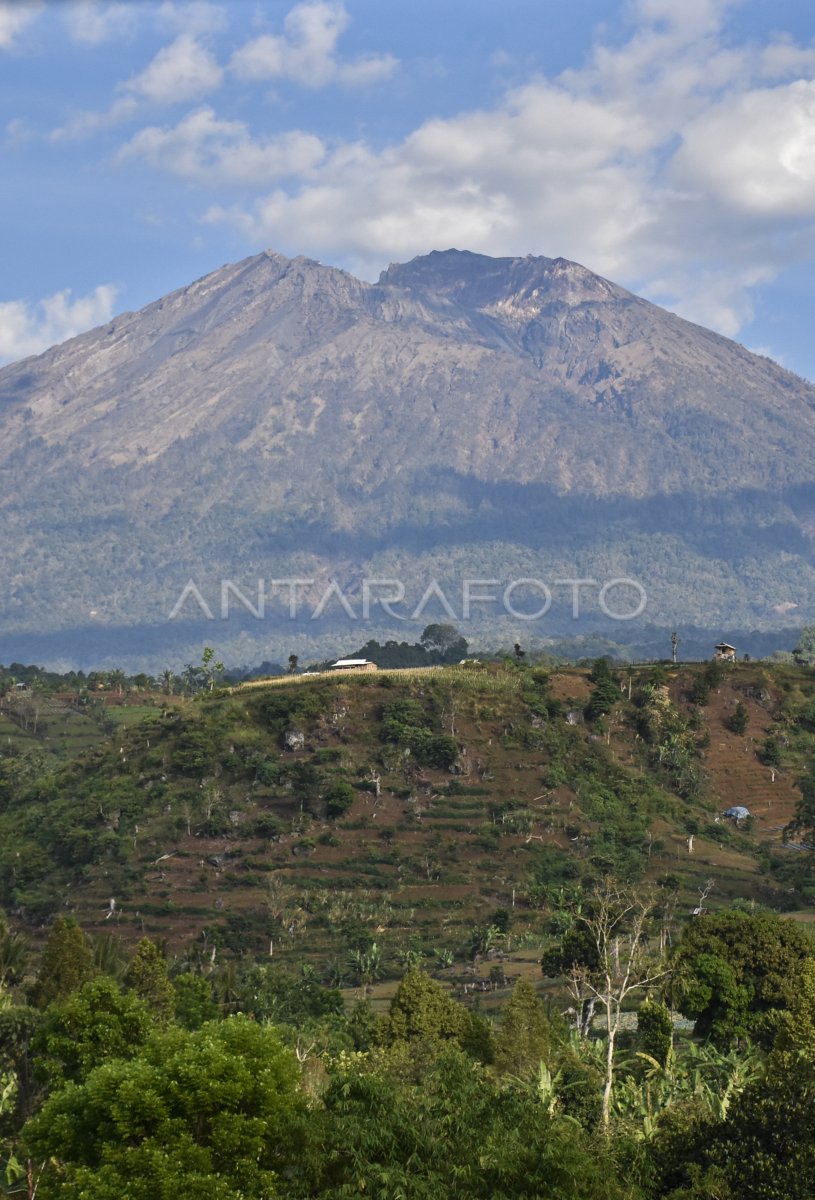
pixel 465 416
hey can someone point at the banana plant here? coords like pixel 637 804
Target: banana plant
pixel 703 1071
pixel 12 1170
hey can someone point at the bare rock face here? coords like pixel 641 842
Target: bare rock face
pixel 468 414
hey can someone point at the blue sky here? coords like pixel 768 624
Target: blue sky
pixel 667 144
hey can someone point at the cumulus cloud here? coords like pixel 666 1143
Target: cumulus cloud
pixel 211 151
pixel 676 161
pixel 184 70
pixel 306 51
pixel 543 172
pixel 15 16
pixel 29 328
pixel 755 152
pixel 93 22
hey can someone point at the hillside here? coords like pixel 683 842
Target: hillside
pixel 252 818
pixel 465 417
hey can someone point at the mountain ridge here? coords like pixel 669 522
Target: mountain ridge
pixel 275 403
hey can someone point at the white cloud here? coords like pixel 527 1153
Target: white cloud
pixel 15 16
pixel 85 124
pixel 211 151
pixel 184 70
pixel 306 52
pixel 782 59
pixel 687 21
pixel 755 152
pixel 93 22
pixel 197 18
pixel 667 162
pixel 542 173
pixel 27 328
pixel 18 132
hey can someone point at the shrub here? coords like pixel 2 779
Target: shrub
pixel 739 719
pixel 339 798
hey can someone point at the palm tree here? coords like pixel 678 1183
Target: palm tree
pixel 117 680
pixel 191 677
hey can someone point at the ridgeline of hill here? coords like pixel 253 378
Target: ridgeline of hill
pixel 312 815
pixel 463 418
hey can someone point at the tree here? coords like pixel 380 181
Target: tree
pixel 615 922
pixel 339 798
pixel 674 645
pixel 733 972
pixel 423 1010
pixel 771 752
pixel 99 1021
pixel 766 1147
pixel 194 1005
pixel 213 1114
pixel 365 964
pixel 13 954
pixel 655 1029
pixel 739 719
pixel 451 1133
pixel 210 667
pixel 117 680
pixel 146 975
pixel 293 664
pixel 525 1036
pixel 804 652
pixel 444 641
pixel 603 698
pixel 574 955
pixel 67 963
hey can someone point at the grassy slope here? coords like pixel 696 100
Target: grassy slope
pixel 196 819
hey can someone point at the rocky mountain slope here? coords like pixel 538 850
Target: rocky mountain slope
pixel 464 416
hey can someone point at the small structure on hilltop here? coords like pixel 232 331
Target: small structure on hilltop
pixel 354 664
pixel 724 653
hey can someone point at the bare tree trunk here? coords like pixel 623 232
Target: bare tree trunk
pixel 612 1035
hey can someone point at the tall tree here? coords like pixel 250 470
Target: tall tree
pixel 146 975
pixel 210 667
pixel 616 923
pixel 97 1022
pixel 733 972
pixel 210 1114
pixel 67 963
pixel 422 1009
pixel 444 641
pixel 525 1037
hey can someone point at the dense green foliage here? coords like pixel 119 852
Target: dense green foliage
pixel 733 974
pixel 310 1100
pixel 227 1062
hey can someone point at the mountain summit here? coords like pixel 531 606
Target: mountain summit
pixel 464 415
